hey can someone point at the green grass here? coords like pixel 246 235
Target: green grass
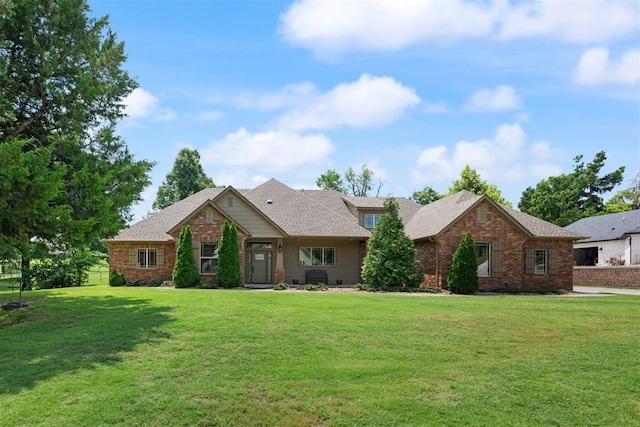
pixel 156 356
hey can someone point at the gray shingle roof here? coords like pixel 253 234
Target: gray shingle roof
pixel 435 217
pixel 156 227
pixel 607 227
pixel 300 215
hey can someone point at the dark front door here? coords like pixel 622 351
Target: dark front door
pixel 259 264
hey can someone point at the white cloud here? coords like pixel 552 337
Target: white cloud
pixel 335 26
pixel 435 107
pixel 595 68
pixel 274 150
pixel 502 98
pixel 329 27
pixel 505 157
pixel 369 101
pixel 208 116
pixel 288 96
pixel 585 21
pixel 139 103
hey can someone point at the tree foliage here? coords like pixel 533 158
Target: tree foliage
pixel 64 269
pixel 62 84
pixel 625 200
pixel 185 271
pixel 463 276
pixel 426 196
pixel 186 178
pixel 354 183
pixel 229 273
pixel 471 181
pixel 331 180
pixel 566 198
pixel 390 261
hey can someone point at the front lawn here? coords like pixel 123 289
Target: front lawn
pixel 157 356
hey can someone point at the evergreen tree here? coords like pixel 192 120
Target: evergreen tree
pixel 463 276
pixel 229 272
pixel 185 271
pixel 390 261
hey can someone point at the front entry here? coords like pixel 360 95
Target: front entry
pixel 259 267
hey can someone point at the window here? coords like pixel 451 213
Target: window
pixel 147 258
pixel 208 258
pixel 482 259
pixel 317 256
pixel 370 220
pixel 259 245
pixel 540 261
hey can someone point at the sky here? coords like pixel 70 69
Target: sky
pixel 413 89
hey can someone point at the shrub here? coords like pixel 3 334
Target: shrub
pixel 319 287
pixel 281 286
pixel 63 270
pixel 463 276
pixel 117 279
pixel 155 283
pixel 390 261
pixel 229 273
pixel 185 272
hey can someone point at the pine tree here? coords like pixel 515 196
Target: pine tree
pixel 185 272
pixel 463 277
pixel 390 261
pixel 229 273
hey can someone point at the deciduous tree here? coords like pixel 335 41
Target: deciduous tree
pixel 331 180
pixel 426 196
pixel 186 178
pixel 471 180
pixel 566 198
pixel 357 184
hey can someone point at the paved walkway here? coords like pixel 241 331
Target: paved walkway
pixel 594 290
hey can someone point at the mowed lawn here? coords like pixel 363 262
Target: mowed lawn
pixel 155 356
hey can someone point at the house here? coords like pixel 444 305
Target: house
pixel 613 239
pixel 284 233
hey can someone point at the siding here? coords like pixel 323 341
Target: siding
pixel 347 266
pixel 246 216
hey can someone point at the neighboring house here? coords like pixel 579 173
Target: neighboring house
pixel 613 238
pixel 284 233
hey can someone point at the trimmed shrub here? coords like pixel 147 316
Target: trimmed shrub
pixel 229 273
pixel 117 279
pixel 463 276
pixel 185 272
pixel 281 286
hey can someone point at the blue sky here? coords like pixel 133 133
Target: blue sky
pixel 413 89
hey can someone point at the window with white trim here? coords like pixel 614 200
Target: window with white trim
pixel 147 258
pixel 208 257
pixel 318 256
pixel 483 251
pixel 371 220
pixel 540 261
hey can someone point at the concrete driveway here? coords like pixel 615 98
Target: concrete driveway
pixel 594 290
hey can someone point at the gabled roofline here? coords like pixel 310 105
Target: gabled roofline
pixel 500 209
pixel 228 189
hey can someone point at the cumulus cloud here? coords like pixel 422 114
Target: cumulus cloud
pixel 139 103
pixel 369 101
pixel 274 150
pixel 502 98
pixel 505 157
pixel 595 67
pixel 338 26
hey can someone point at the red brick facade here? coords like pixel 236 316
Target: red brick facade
pixel 624 275
pixel 508 245
pixel 123 255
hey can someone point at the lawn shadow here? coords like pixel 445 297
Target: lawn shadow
pixel 60 335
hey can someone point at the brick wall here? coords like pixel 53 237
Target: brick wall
pixel 201 230
pixel 498 231
pixel 624 275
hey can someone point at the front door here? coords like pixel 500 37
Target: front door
pixel 259 263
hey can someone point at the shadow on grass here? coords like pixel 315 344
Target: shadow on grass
pixel 59 335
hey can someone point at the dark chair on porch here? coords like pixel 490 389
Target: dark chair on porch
pixel 315 277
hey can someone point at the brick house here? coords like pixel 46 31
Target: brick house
pixel 284 233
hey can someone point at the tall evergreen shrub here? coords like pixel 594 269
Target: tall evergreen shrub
pixel 390 262
pixel 185 271
pixel 229 273
pixel 463 277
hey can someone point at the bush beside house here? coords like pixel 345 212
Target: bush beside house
pixel 463 276
pixel 185 272
pixel 229 273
